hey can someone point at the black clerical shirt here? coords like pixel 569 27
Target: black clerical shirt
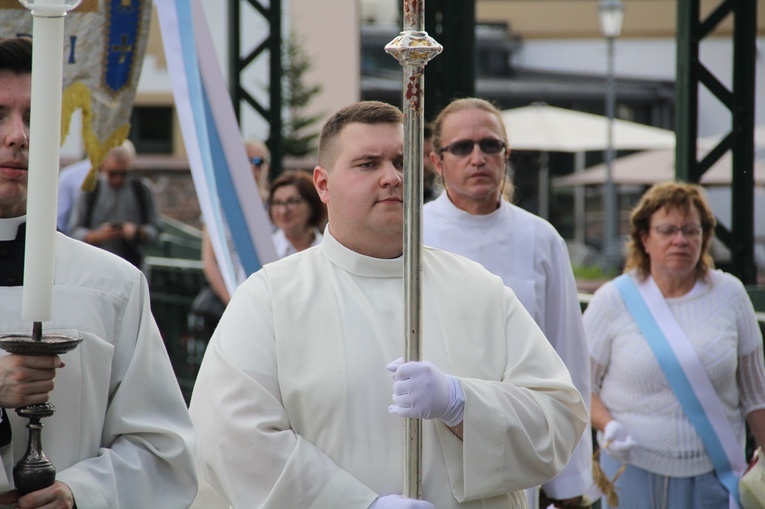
pixel 11 274
pixel 12 259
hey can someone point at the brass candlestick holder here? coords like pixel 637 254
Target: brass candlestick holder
pixel 34 471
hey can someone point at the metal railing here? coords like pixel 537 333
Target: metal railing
pixel 173 285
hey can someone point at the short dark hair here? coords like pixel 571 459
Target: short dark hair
pixel 304 184
pixel 364 112
pixel 16 55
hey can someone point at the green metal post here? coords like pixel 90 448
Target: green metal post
pixel 275 144
pixel 686 87
pixel 234 61
pixel 238 63
pixel 742 189
pixel 691 73
pixel 453 74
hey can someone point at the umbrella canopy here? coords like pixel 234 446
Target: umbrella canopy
pixel 651 166
pixel 551 129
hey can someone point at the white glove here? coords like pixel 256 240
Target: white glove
pixel 421 390
pixel 399 502
pixel 617 442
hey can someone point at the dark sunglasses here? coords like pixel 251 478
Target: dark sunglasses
pixel 461 148
pixel 257 161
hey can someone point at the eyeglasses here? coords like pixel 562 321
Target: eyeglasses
pixel 257 161
pixel 288 203
pixel 117 173
pixel 668 231
pixel 461 148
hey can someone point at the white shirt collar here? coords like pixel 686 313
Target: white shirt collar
pixel 359 264
pixel 444 205
pixel 9 227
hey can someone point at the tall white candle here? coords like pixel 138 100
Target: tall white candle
pixel 44 141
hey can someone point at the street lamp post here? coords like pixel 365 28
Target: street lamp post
pixel 611 16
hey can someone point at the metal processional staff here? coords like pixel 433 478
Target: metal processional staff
pixel 413 48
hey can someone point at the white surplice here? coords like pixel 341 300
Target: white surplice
pixel 121 436
pixel 531 258
pixel 290 405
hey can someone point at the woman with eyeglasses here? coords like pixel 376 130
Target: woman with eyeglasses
pixel 297 212
pixel 677 362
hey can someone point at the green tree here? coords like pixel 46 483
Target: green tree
pixel 298 137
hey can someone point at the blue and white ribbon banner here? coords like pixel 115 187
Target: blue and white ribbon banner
pixel 234 216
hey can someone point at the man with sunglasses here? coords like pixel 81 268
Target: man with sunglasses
pixel 471 218
pixel 120 214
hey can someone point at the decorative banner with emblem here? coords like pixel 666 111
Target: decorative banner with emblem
pixel 104 44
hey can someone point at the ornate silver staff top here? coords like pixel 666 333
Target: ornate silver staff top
pixel 413 48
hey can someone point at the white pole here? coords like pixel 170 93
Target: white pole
pixel 45 139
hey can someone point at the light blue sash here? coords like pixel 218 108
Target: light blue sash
pixel 688 379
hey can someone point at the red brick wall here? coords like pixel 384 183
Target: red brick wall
pixel 173 187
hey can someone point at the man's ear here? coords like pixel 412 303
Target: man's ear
pixel 437 163
pixel 321 182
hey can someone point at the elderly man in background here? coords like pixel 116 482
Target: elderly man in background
pixel 120 214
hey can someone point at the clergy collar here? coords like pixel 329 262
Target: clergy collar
pixel 359 264
pixel 9 227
